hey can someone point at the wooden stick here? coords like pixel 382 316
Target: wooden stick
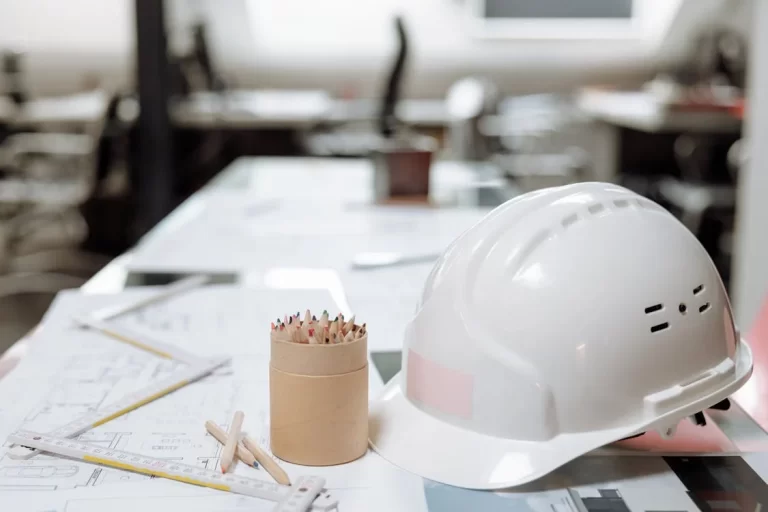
pixel 267 462
pixel 349 325
pixel 228 453
pixel 242 453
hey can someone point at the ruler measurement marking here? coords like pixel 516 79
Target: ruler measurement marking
pixel 308 492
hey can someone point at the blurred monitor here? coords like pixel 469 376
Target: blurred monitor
pixel 547 9
pixel 555 19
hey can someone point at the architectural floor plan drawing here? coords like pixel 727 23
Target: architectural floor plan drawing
pixel 85 371
pixel 169 428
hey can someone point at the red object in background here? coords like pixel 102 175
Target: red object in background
pixel 738 109
pixel 753 396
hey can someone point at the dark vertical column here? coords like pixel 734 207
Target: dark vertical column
pixel 154 173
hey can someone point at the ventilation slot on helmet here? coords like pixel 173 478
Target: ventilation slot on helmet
pixel 621 203
pixel 653 309
pixel 660 327
pixel 595 208
pixel 703 308
pixel 569 220
pixel 698 289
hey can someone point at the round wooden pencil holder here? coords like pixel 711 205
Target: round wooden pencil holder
pixel 318 402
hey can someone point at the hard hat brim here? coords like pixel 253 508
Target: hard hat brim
pixel 419 443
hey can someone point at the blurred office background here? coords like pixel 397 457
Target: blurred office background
pixel 113 112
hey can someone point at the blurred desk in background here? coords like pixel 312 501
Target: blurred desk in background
pixel 76 110
pixel 348 179
pixel 646 112
pixel 252 109
pixel 259 213
pixel 636 131
pixel 7 109
pixel 416 112
pixel 298 222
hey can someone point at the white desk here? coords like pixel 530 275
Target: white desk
pixel 265 216
pixel 646 484
pixel 295 109
pixel 643 111
pixel 419 112
pixel 77 110
pixel 254 192
pixel 252 109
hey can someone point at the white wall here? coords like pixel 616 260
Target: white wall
pixel 341 45
pixel 67 42
pixel 750 280
pixel 352 42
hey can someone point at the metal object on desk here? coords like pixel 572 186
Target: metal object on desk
pixel 371 260
pixel 468 102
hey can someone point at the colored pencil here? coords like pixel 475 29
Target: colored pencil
pixel 228 453
pixel 242 453
pixel 266 461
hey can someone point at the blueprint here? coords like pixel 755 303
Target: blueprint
pixel 69 371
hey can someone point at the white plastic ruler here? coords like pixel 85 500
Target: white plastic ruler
pixel 165 292
pixel 126 404
pixel 139 340
pixel 307 492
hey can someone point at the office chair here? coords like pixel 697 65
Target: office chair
pixel 359 138
pixel 52 175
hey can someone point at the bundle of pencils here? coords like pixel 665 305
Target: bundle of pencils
pixel 314 331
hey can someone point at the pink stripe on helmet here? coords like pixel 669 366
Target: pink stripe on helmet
pixel 440 388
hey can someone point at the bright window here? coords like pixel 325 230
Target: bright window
pixel 560 19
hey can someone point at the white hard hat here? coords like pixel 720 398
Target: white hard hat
pixel 566 319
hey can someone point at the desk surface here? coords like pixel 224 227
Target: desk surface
pixel 257 181
pixel 643 111
pixel 252 109
pixel 247 108
pixel 386 298
pixel 306 187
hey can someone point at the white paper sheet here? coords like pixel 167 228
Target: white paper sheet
pixel 386 299
pixel 232 233
pixel 69 371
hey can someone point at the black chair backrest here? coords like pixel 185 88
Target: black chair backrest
pixel 387 119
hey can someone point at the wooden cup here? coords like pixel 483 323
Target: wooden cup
pixel 318 402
